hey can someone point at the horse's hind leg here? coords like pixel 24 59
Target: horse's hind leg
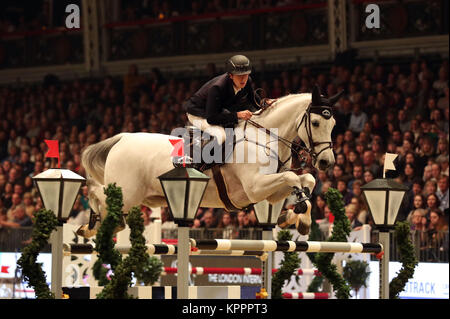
pixel 97 202
pixel 98 208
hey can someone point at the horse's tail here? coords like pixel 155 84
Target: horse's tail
pixel 94 156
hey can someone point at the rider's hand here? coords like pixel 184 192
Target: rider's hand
pixel 244 115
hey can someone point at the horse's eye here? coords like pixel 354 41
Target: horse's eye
pixel 315 123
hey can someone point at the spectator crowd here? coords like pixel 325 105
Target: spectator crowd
pixel 397 108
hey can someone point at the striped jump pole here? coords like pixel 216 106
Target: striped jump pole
pixel 305 295
pixel 152 249
pixel 162 249
pixel 235 271
pixel 259 254
pixel 273 245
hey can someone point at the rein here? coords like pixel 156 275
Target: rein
pixel 289 144
pixel 324 111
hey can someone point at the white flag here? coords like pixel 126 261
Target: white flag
pixel 389 162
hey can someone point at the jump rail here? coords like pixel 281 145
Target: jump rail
pixel 241 247
pixel 236 271
pixel 159 249
pixel 306 295
pixel 273 245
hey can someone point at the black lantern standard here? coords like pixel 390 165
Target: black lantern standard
pixel 183 188
pixel 267 215
pixel 58 189
pixel 384 197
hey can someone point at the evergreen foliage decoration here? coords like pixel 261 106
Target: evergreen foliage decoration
pixel 138 262
pixel 407 258
pixel 356 273
pixel 117 287
pixel 104 243
pixel 146 268
pixel 288 265
pixel 315 285
pixel 45 222
pixel 341 230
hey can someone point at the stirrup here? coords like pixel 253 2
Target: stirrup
pixel 181 161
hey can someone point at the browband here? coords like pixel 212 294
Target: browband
pixel 324 111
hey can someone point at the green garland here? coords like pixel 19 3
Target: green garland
pixel 146 269
pixel 288 265
pixel 407 258
pixel 356 274
pixel 104 243
pixel 45 222
pixel 117 288
pixel 341 230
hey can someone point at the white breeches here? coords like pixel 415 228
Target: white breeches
pixel 214 130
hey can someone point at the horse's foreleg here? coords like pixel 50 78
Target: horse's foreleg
pixel 303 223
pixel 308 181
pixel 281 194
pixel 301 215
pixel 263 186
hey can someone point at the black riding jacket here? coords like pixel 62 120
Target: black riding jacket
pixel 217 102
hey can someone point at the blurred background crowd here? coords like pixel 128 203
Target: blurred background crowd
pixel 401 109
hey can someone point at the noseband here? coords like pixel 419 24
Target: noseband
pixel 324 111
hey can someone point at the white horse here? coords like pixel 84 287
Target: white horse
pixel 135 160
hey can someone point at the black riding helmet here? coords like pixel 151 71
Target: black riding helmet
pixel 238 65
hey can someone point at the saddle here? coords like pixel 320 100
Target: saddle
pixel 198 143
pixel 195 143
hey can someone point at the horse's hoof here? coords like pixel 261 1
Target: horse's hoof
pixel 303 224
pixel 86 232
pixel 303 229
pixel 282 220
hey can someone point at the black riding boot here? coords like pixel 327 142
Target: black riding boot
pixel 212 144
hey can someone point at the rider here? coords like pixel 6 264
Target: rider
pixel 224 100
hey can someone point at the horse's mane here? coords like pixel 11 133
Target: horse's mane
pixel 277 102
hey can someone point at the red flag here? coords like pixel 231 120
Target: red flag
pixel 4 269
pixel 178 148
pixel 53 149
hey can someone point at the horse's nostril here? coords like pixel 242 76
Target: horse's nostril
pixel 323 163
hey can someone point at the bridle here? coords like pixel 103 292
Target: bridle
pixel 324 111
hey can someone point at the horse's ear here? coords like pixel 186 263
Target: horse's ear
pixel 315 99
pixel 336 97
